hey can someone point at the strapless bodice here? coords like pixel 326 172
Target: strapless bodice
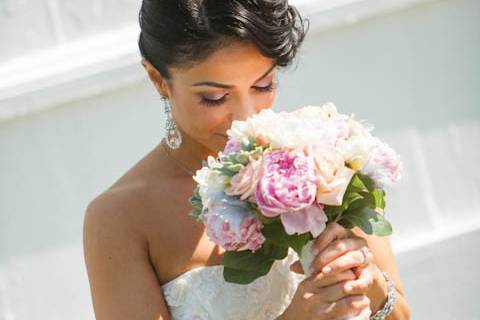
pixel 203 294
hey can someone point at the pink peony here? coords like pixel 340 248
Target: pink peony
pixel 232 225
pixel 287 183
pixel 312 219
pixel 287 188
pixel 244 182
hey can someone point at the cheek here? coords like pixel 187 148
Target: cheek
pixel 200 121
pixel 266 102
pixel 209 120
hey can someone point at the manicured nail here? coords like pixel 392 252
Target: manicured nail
pixel 327 269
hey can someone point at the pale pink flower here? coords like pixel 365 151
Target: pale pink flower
pixel 384 165
pixel 243 184
pixel 332 176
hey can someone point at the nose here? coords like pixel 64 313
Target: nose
pixel 244 109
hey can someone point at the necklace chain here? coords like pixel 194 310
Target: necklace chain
pixel 176 161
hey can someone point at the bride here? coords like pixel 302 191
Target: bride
pixel 213 62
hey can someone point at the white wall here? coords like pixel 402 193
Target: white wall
pixel 68 131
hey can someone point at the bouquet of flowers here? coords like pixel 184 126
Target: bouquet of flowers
pixel 282 177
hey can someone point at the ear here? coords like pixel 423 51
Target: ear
pixel 158 81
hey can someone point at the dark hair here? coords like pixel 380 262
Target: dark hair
pixel 183 32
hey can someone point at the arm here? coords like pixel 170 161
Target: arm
pixel 122 281
pixel 385 261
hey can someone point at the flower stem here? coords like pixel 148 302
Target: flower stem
pixel 338 217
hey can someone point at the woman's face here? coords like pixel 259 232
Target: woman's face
pixel 233 83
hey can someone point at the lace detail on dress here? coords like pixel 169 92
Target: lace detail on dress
pixel 203 294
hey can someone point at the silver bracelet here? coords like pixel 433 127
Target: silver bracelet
pixel 391 298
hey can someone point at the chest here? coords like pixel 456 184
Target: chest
pixel 179 244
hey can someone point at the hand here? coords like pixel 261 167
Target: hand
pixel 325 295
pixel 338 249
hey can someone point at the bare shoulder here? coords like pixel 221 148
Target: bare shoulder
pixel 116 209
pixel 123 282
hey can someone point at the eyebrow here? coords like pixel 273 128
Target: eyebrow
pixel 228 86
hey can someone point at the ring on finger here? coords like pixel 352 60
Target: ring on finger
pixel 365 251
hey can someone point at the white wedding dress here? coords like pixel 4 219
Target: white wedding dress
pixel 203 294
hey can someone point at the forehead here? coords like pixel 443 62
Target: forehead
pixel 236 63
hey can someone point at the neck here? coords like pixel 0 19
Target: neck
pixel 190 153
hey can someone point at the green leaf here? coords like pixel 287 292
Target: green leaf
pixel 248 260
pixel 332 211
pixel 265 220
pixel 235 167
pixel 275 232
pixel 195 213
pixel 349 198
pixel 356 184
pixel 347 224
pixel 367 201
pixel 379 196
pixel 298 241
pixel 195 202
pixel 249 146
pixel 367 219
pixel 229 173
pixel 246 277
pixel 276 252
pixel 241 157
pixel 244 260
pixel 367 181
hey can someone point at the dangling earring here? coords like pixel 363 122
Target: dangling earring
pixel 172 136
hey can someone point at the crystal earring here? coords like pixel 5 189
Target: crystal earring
pixel 172 136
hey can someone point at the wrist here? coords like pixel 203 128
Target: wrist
pixel 378 293
pixel 386 309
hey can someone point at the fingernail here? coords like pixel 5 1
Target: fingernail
pixel 327 269
pixel 310 270
pixel 348 287
pixel 315 251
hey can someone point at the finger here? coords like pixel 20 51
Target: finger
pixel 370 258
pixel 321 280
pixel 349 260
pixel 332 231
pixel 336 249
pixel 362 284
pixel 333 292
pixel 346 306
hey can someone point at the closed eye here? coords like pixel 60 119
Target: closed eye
pixel 215 102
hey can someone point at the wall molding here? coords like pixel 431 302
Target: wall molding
pixel 110 61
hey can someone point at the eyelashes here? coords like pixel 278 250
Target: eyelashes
pixel 210 103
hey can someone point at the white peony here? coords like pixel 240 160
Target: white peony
pixel 211 183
